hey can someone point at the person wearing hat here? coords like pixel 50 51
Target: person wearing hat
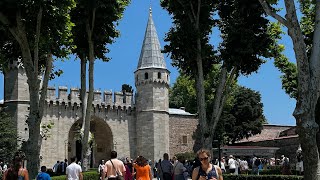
pixel 232 164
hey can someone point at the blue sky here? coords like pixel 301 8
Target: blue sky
pixel 125 52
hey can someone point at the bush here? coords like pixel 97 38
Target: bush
pixel 89 175
pixel 187 156
pixel 261 177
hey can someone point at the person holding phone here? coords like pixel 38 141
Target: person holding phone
pixel 206 171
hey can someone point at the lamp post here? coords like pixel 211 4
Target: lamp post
pixel 219 150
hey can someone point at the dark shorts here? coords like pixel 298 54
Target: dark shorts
pixel 232 170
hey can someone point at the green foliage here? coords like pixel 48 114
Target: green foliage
pixel 8 137
pixel 245 117
pixel 86 176
pixel 186 156
pixel 307 22
pixel 288 69
pixel 107 14
pixel 182 37
pixel 126 88
pixel 243 111
pixel 183 94
pixel 261 177
pixel 243 29
pixel 55 30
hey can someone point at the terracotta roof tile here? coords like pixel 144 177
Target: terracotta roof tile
pixel 269 132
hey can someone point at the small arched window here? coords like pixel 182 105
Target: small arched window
pixel 167 78
pixel 146 75
pixel 159 75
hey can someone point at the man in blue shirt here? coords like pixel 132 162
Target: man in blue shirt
pixel 43 175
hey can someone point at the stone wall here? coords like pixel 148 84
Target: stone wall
pixel 112 130
pixel 181 129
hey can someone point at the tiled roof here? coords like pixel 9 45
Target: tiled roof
pixel 151 56
pixel 269 132
pixel 179 112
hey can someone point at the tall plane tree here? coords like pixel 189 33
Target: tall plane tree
pixel 94 29
pixel 245 41
pixel 40 30
pixel 306 44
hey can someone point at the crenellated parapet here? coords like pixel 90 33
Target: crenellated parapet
pixel 117 100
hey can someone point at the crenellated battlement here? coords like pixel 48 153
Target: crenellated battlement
pixel 107 98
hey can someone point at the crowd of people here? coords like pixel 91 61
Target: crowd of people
pixel 203 167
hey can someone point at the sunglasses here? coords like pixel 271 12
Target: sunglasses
pixel 205 158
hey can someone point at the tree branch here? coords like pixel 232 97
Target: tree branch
pixel 273 14
pixel 12 30
pixel 192 11
pixel 93 18
pixel 36 42
pixel 218 93
pixel 198 13
pixel 224 95
pixel 45 83
pixel 188 12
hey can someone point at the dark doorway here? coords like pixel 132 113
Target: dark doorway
pixel 78 150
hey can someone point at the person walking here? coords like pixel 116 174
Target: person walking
pixel 74 171
pixel 179 169
pixel 113 167
pixel 206 171
pixel 100 168
pixel 43 175
pixel 143 169
pixel 16 171
pixel 166 168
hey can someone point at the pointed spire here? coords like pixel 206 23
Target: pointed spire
pixel 151 56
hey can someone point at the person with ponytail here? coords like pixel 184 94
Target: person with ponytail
pixel 16 171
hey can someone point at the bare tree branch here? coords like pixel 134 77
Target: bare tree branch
pixel 193 13
pixel 273 14
pixel 45 83
pixel 36 42
pixel 93 18
pixel 198 13
pixel 315 53
pixel 224 95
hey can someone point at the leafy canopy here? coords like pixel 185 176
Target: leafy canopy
pixel 107 13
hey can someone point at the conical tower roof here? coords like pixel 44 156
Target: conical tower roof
pixel 151 56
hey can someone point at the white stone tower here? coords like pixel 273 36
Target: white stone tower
pixel 152 103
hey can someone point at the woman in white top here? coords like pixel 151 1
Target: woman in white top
pixel 232 165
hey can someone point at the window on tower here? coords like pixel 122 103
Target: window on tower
pixel 159 75
pixel 146 76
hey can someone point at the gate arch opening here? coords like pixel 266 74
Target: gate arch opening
pixel 101 144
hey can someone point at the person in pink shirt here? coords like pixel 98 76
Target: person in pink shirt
pixel 113 168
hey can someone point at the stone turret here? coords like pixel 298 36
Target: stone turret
pixel 16 96
pixel 152 103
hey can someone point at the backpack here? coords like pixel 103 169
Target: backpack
pixel 257 162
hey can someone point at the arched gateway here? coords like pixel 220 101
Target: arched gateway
pixel 101 141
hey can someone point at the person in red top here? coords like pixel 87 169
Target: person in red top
pixel 143 169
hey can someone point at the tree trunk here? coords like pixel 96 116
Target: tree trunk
pixel 201 99
pixel 85 143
